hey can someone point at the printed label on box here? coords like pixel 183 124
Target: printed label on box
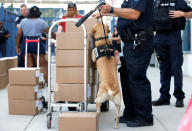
pixel 41 77
pixel 37 73
pixel 36 88
pixel 40 106
pixel 39 94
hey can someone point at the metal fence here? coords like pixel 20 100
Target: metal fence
pixel 8 16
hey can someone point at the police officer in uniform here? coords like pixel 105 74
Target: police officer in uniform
pixel 135 29
pixel 24 14
pixel 168 44
pixel 4 35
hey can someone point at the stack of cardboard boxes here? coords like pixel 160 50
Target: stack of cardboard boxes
pixel 70 76
pixel 70 63
pixel 24 91
pixel 5 65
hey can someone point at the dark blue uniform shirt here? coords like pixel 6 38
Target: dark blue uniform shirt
pixel 19 19
pixel 145 20
pixel 180 5
pixel 3 33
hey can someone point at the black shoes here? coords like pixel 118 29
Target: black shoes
pixel 179 103
pixel 123 119
pixel 131 122
pixel 160 102
pixel 137 123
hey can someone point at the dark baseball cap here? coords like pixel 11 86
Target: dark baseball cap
pixel 72 5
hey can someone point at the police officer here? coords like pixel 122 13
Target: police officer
pixel 4 35
pixel 24 13
pixel 135 29
pixel 168 44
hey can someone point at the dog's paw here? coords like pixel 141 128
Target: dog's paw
pixel 116 127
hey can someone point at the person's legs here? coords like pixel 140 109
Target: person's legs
pixel 4 49
pixel 1 52
pixel 165 72
pixel 176 57
pixel 29 60
pixel 128 112
pixel 21 62
pixel 162 50
pixel 137 62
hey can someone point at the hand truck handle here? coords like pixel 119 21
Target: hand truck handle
pixel 27 41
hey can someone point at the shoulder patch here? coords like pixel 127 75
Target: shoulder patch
pixel 16 18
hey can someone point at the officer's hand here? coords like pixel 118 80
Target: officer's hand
pixel 176 14
pixel 105 8
pixel 97 15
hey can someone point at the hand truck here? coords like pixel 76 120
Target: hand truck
pixel 37 40
pixel 51 103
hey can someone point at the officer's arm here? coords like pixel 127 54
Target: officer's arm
pixel 188 14
pixel 127 13
pixel 18 39
pixel 177 14
pixel 17 26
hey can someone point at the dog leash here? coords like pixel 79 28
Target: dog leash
pixel 103 27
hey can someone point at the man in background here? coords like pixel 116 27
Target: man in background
pixel 24 14
pixel 4 35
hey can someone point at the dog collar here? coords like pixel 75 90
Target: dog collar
pixel 101 38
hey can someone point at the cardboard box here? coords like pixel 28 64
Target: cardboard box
pixel 70 41
pixel 69 92
pixel 24 92
pixel 70 75
pixel 22 107
pixel 3 66
pixel 78 121
pixel 70 26
pixel 12 62
pixel 70 57
pixel 3 80
pixel 24 76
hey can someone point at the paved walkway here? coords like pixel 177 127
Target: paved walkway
pixel 166 118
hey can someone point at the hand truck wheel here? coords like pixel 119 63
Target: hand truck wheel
pixel 105 106
pixel 72 108
pixel 49 120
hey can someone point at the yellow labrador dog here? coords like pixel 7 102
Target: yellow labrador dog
pixel 107 69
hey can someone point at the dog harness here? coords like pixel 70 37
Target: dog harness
pixel 100 38
pixel 104 50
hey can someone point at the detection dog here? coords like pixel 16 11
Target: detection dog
pixel 107 69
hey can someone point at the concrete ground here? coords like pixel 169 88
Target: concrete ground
pixel 166 118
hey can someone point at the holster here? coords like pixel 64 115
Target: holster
pixel 127 36
pixel 140 37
